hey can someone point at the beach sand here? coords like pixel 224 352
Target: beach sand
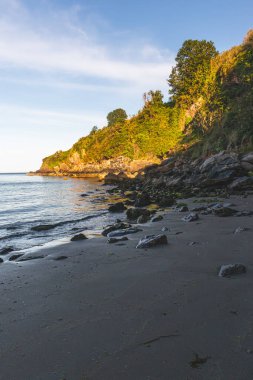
pixel 114 312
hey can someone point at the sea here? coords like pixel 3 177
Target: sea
pixel 67 206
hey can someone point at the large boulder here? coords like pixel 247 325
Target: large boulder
pixel 231 269
pixel 114 227
pixel 142 200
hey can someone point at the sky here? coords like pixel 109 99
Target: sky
pixel 65 64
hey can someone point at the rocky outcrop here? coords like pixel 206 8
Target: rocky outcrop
pixel 111 170
pixel 223 170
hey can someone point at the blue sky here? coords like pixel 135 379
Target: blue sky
pixel 65 64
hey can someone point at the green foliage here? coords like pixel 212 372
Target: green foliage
pixel 117 116
pixel 211 110
pixel 188 77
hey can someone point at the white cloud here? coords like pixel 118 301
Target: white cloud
pixel 42 48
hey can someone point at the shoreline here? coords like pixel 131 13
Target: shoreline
pixel 111 311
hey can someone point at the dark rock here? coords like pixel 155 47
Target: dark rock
pixel 224 211
pixel 43 227
pixel 230 269
pixel 6 250
pixel 1 260
pixel 244 213
pixel 152 240
pixel 157 218
pixel 242 183
pixel 182 209
pixel 192 217
pixel 84 195
pixel 142 200
pixel 116 226
pixel 143 219
pixel 112 240
pixel 30 257
pixel 60 258
pixel 134 213
pixel 78 237
pixel 248 158
pixel 124 232
pixel 129 202
pixel 199 208
pixel 166 201
pixel 117 207
pixel 15 257
pixel 111 178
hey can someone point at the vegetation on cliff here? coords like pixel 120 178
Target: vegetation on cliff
pixel 210 109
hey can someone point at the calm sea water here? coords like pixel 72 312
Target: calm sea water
pixel 27 202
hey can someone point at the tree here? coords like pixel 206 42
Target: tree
pixel 116 116
pixel 188 77
pixel 94 130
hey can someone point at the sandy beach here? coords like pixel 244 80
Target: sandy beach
pixel 114 312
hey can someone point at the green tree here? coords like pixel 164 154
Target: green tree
pixel 188 77
pixel 94 130
pixel 116 116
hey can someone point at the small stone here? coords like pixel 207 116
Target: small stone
pixel 116 240
pixel 182 209
pixel 78 237
pixel 240 229
pixel 134 213
pixel 152 240
pixel 192 217
pixel 1 260
pixel 165 229
pixel 60 258
pixel 230 269
pixel 157 218
pixel 6 250
pixel 143 219
pixel 224 211
pixel 15 257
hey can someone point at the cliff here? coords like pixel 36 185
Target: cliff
pixel 210 110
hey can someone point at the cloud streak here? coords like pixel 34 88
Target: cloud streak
pixel 24 45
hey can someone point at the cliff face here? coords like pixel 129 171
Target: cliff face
pixel 76 167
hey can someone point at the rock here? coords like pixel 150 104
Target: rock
pixel 192 217
pixel 142 200
pixel 224 211
pixel 242 183
pixel 230 269
pixel 238 230
pixel 166 201
pixel 78 237
pixel 116 226
pixel 199 208
pixel 221 159
pixel 244 213
pixel 165 229
pixel 112 240
pixel 112 179
pixel 30 257
pixel 124 232
pixel 60 258
pixel 134 213
pixel 6 250
pixel 117 207
pixel 143 219
pixel 15 257
pixel 157 218
pixel 1 260
pixel 182 209
pixel 43 227
pixel 248 158
pixel 152 240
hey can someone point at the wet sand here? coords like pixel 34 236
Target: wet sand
pixel 114 312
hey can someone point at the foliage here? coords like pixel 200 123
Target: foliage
pixel 188 77
pixel 211 110
pixel 116 116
